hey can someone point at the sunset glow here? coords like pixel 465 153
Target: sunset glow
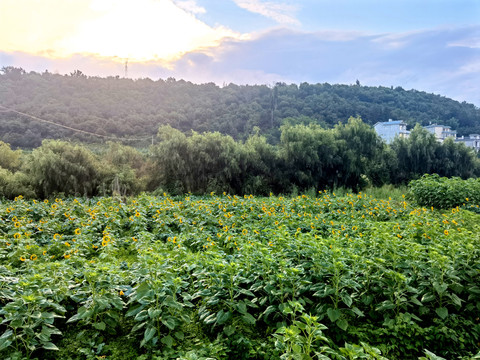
pixel 143 30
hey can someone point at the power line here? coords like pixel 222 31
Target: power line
pixel 70 128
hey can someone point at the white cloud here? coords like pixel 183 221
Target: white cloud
pixel 469 43
pixel 137 29
pixel 282 13
pixel 190 6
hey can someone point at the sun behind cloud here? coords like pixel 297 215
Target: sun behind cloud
pixel 140 30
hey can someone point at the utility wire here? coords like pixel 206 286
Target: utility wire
pixel 68 127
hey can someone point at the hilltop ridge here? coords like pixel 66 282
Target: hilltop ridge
pixel 125 108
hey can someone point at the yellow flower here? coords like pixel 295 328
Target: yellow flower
pixel 17 235
pixel 22 258
pixel 56 236
pixel 33 257
pixel 17 224
pixel 121 293
pixel 78 231
pixel 66 243
pixel 445 232
pixel 67 256
pixel 244 231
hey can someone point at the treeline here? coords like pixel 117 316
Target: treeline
pixel 307 157
pixel 126 108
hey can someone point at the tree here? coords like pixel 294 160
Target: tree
pixel 9 159
pixel 416 155
pixel 359 145
pixel 310 156
pixel 60 167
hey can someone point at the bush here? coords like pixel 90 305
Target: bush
pixel 444 193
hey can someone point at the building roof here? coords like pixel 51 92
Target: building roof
pixel 391 122
pixel 437 125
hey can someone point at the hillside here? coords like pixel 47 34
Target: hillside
pixel 127 108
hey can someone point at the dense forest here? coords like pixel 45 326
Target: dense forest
pixel 306 158
pixel 115 107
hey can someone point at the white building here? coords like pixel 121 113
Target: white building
pixel 472 141
pixel 391 128
pixel 441 132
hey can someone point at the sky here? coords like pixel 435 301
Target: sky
pixel 427 45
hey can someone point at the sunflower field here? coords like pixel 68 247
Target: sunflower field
pixel 230 277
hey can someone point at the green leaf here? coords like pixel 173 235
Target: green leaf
pixel 99 326
pixel 249 319
pixel 134 311
pixel 442 312
pixel 179 335
pixel 342 324
pixel 142 315
pixel 149 333
pixel 347 300
pixel 358 311
pixel 6 334
pixel 222 317
pixel 456 300
pixel 210 319
pixel 432 356
pixel 229 330
pixel 5 340
pixel 440 288
pixel 167 340
pixel 142 290
pixel 242 307
pixel 50 346
pixel 169 322
pixel 333 314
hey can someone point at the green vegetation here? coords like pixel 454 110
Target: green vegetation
pixel 306 159
pixel 227 277
pixel 133 109
pixel 445 193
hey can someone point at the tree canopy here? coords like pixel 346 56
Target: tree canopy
pixel 133 110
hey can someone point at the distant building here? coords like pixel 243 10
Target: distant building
pixel 441 132
pixel 391 128
pixel 472 141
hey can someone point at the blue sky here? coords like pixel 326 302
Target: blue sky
pixel 428 45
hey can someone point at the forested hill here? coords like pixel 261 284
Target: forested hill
pixel 128 108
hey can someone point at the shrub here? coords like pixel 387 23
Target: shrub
pixel 444 193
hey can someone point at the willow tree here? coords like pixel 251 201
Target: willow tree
pixel 360 147
pixel 60 167
pixel 310 156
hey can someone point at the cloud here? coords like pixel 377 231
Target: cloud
pixel 282 13
pixel 425 62
pixel 137 29
pixel 190 6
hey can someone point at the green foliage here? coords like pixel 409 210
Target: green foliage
pixel 445 193
pixel 9 159
pixel 228 277
pixel 122 170
pixel 59 167
pixel 128 108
